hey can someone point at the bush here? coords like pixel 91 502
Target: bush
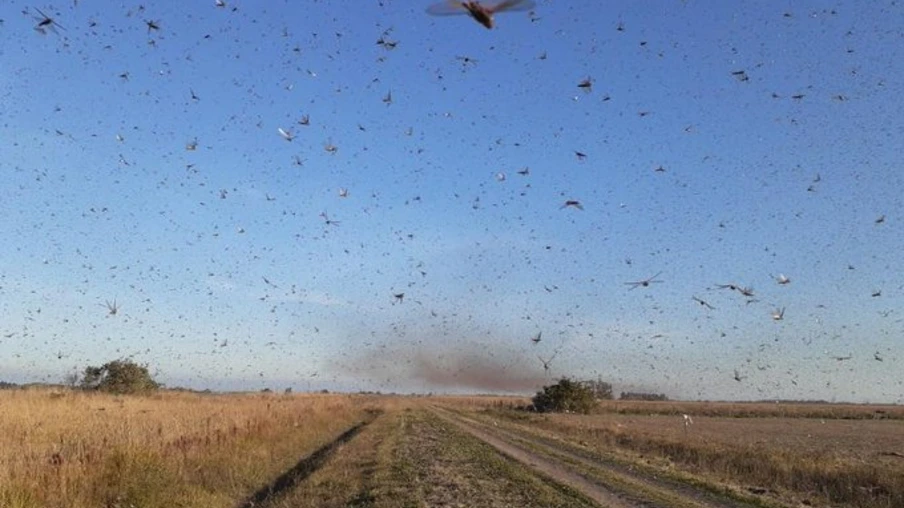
pixel 120 377
pixel 565 396
pixel 601 389
pixel 643 396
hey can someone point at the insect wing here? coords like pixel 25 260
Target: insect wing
pixel 513 5
pixel 45 22
pixel 447 8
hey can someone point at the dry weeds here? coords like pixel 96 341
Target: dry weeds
pixel 822 461
pixel 77 449
pixel 757 409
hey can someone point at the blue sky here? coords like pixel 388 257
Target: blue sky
pixel 227 275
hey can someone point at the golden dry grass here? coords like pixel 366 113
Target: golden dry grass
pixel 717 409
pixel 478 401
pixel 755 409
pixel 849 460
pixel 74 449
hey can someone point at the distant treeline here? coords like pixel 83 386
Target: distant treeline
pixel 793 401
pixel 642 396
pixel 5 385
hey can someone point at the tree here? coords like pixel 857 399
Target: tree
pixel 119 376
pixel 601 389
pixel 642 396
pixel 72 379
pixel 565 396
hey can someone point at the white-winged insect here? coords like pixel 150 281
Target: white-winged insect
pixel 192 145
pixel 688 421
pixel 781 279
pixel 343 192
pixel 385 41
pixel 331 148
pixel 778 314
pixel 288 136
pixel 500 176
pixel 644 283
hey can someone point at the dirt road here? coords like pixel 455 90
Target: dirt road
pixel 607 482
pixel 421 456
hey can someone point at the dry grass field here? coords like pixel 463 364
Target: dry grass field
pixel 809 454
pixel 73 449
pixel 756 409
pixel 76 449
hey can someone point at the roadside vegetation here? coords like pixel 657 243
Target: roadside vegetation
pixel 76 448
pixel 855 459
pixel 119 377
pixel 565 396
pixel 80 448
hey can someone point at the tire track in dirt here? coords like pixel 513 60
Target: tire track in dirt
pixel 453 468
pixel 305 467
pixel 610 483
pixel 547 468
